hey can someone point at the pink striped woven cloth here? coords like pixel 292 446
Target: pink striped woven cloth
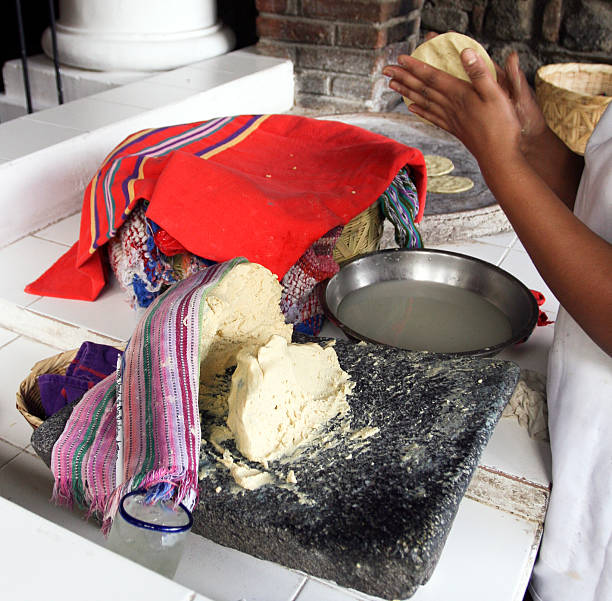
pixel 161 424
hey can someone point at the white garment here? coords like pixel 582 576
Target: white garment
pixel 575 561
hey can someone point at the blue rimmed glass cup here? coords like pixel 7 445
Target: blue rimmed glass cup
pixel 151 534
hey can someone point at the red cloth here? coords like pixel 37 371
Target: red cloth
pixel 262 187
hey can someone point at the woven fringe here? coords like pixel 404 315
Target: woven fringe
pixel 400 205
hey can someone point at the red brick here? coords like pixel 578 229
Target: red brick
pixel 359 11
pixel 278 49
pixel 375 36
pixel 352 87
pixel 312 82
pixel 338 60
pixel 278 7
pixel 551 20
pixel 292 29
pixel 328 104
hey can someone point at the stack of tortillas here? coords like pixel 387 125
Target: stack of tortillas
pixel 438 180
pixel 444 52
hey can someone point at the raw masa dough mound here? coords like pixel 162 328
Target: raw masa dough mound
pixel 241 313
pixel 282 394
pixel 444 52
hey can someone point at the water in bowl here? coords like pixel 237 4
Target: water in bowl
pixel 425 316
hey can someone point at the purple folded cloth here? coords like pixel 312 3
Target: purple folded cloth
pixel 92 363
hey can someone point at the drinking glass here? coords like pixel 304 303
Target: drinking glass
pixel 151 534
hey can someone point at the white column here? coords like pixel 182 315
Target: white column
pixel 137 35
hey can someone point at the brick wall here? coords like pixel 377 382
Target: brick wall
pixel 338 47
pixel 541 31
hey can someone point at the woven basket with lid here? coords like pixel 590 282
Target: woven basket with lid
pixel 573 97
pixel 360 235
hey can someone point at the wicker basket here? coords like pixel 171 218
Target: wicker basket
pixel 573 97
pixel 28 395
pixel 360 235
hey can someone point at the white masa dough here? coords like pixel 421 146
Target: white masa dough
pixel 241 313
pixel 281 394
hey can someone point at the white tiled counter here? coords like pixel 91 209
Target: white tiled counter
pixel 493 541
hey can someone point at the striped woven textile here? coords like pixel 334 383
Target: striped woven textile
pixel 161 425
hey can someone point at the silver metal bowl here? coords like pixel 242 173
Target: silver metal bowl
pixel 493 284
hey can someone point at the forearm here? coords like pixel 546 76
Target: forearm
pixel 574 261
pixel 555 163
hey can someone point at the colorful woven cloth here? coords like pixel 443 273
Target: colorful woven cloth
pixel 92 363
pixel 261 186
pixel 146 259
pixel 159 383
pixel 143 270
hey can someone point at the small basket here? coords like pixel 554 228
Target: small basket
pixel 573 97
pixel 360 235
pixel 28 395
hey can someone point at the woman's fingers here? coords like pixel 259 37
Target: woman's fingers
pixel 413 88
pixel 478 72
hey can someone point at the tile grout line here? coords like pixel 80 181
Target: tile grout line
pixel 507 251
pixel 300 588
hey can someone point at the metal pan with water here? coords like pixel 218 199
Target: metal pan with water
pixel 431 300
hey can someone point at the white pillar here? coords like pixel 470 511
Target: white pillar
pixel 137 35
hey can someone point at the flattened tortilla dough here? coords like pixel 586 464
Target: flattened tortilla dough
pixel 438 165
pixel 449 184
pixel 444 52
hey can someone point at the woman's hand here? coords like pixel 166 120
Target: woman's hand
pixel 479 113
pixel 495 121
pixel 513 82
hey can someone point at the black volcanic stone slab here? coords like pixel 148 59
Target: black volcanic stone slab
pixel 373 514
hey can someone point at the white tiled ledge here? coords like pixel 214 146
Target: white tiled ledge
pixel 47 158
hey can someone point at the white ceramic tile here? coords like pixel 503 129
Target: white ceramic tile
pixel 194 79
pixel 241 62
pixel 512 451
pixel 22 262
pixel 16 360
pixel 533 354
pixel 65 231
pixel 23 136
pixel 7 452
pixel 520 265
pixel 318 590
pixel 145 94
pixel 28 482
pixel 70 567
pixel 49 185
pixel 487 555
pixel 227 575
pixel 30 449
pixel 486 252
pixel 86 114
pixel 6 336
pixel 110 314
pixel 505 239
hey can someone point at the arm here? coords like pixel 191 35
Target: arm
pixel 570 257
pixel 556 164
